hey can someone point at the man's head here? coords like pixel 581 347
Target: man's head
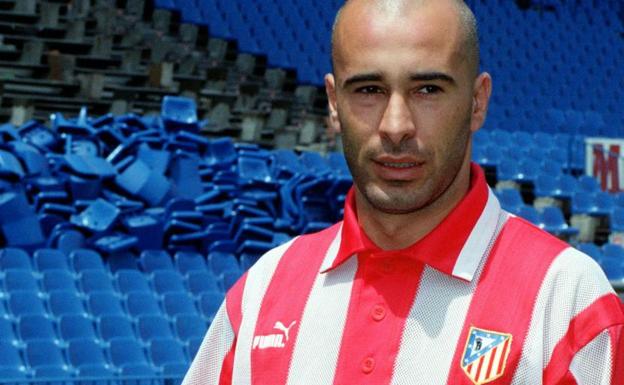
pixel 406 94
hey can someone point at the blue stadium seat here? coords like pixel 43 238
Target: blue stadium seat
pixel 167 354
pixel 36 327
pixel 228 279
pixel 616 219
pixel 176 303
pixel 189 326
pixel 131 280
pixel 65 302
pixel 56 279
pixel 209 303
pixel 510 199
pixel 95 280
pixel 115 326
pixel 189 261
pixel 11 365
pixel 221 262
pixel 142 303
pixel 152 260
pixel 7 332
pixel 46 358
pixel 530 214
pixel 128 355
pixel 588 184
pixel 87 356
pixel 50 259
pixel 83 259
pixel 25 302
pixel 199 282
pixel 104 303
pixel 122 261
pixel 20 280
pixel 74 326
pixel 14 258
pixel 192 346
pixel 554 222
pixel 592 250
pixel 165 281
pixel 153 326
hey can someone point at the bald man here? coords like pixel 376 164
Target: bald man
pixel 426 280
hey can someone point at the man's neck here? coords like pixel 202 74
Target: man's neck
pixel 395 232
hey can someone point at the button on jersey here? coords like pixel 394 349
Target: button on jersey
pixel 485 298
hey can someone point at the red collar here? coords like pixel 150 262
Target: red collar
pixel 440 248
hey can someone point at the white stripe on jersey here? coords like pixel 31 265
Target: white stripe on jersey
pixel 323 323
pixel 436 317
pixel 258 279
pixel 479 239
pixel 212 351
pixel 571 272
pixel 589 366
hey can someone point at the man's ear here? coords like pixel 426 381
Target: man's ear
pixel 480 100
pixel 330 90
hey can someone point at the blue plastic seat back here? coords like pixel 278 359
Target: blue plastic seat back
pixel 83 259
pixel 96 280
pixel 189 326
pixel 176 303
pixel 164 351
pixel 58 280
pixel 165 281
pixel 142 303
pixel 591 249
pixel 616 221
pixel 530 214
pixel 20 279
pixel 7 332
pixel 131 280
pixel 50 259
pixel 10 356
pixel 221 262
pixel 201 281
pixel 588 184
pixel 209 303
pixel 73 326
pixel 179 109
pixel 189 261
pixel 65 302
pixel 613 251
pixel 115 326
pixel 510 199
pixel 125 351
pixel 36 327
pixel 153 326
pixel 99 216
pixel 15 258
pixel 25 302
pixel 84 352
pixel 44 353
pixel 104 303
pixel 152 260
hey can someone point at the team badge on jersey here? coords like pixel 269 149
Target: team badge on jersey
pixel 485 355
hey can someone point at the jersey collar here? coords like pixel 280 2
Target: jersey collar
pixel 455 247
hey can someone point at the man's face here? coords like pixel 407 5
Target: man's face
pixel 403 96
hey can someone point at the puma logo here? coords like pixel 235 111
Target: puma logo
pixel 273 340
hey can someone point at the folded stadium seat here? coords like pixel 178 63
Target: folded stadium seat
pixel 11 365
pixel 36 327
pixel 115 326
pixel 152 260
pixel 142 303
pixel 65 302
pixel 50 259
pixel 209 303
pixel 20 280
pixel 87 357
pixel 45 358
pixel 140 181
pixel 221 262
pixel 127 354
pixel 23 303
pixel 591 249
pixel 510 199
pixel 14 258
pixel 165 281
pixel 192 346
pixel 58 280
pixel 554 222
pixel 131 280
pixel 104 303
pixel 19 223
pixel 285 164
pixel 187 262
pixel 86 259
pixel 529 213
pixel 95 280
pixel 189 326
pixel 168 355
pixel 153 326
pixel 199 282
pixel 176 303
pixel 75 326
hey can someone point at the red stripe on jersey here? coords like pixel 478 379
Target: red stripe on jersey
pixel 504 297
pixel 382 295
pixel 501 363
pixel 233 304
pixel 617 354
pixel 283 304
pixel 587 325
pixel 491 363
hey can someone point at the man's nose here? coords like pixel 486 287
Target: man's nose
pixel 397 122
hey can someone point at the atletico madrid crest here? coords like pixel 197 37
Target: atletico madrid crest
pixel 485 355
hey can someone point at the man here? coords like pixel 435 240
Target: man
pixel 427 280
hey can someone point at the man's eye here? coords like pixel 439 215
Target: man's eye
pixel 429 89
pixel 369 90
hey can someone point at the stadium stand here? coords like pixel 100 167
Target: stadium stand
pixel 155 149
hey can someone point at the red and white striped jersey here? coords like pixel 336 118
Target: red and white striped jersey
pixel 485 297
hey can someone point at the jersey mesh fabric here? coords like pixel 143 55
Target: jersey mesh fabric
pixel 589 366
pixel 570 272
pixel 212 350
